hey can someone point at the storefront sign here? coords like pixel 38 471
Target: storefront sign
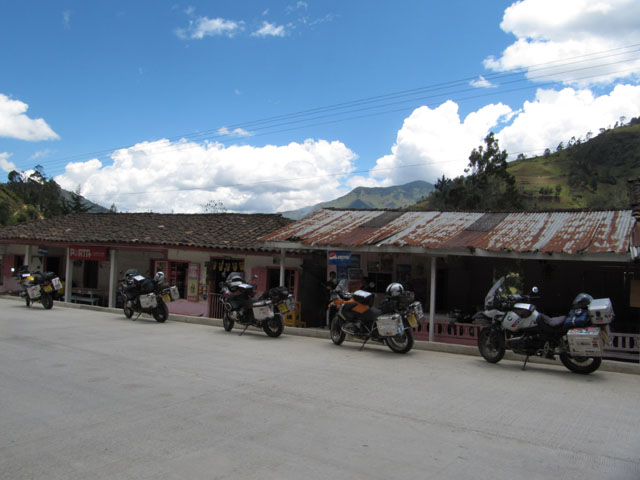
pixel 340 258
pixel 193 281
pixel 43 250
pixel 88 253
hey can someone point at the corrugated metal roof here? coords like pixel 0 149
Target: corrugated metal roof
pixel 525 232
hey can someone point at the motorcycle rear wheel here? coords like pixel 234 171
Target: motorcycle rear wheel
pixel 491 344
pixel 583 365
pixel 161 312
pixel 337 334
pixel 274 326
pixel 227 323
pixel 400 343
pixel 47 301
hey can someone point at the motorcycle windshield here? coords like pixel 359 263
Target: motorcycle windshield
pixel 342 286
pixel 497 287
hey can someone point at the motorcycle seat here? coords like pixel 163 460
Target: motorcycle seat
pixel 553 322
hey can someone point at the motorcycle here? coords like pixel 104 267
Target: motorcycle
pixel 37 286
pixel 267 312
pixel 358 318
pixel 146 295
pixel 511 322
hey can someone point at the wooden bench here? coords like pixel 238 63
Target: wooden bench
pixel 84 299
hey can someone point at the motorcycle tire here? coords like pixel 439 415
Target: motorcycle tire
pixel 582 365
pixel 491 344
pixel 274 326
pixel 337 334
pixel 227 323
pixel 47 301
pixel 27 300
pixel 128 312
pixel 161 312
pixel 401 343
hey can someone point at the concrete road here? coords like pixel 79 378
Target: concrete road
pixel 92 395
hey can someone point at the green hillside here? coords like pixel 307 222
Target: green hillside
pixel 362 198
pixel 591 174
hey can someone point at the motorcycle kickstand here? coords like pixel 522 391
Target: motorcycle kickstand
pixel 364 343
pixel 525 362
pixel 139 313
pixel 245 329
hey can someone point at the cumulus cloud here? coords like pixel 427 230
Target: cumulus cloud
pixel 270 30
pixel 436 142
pixel 236 132
pixel 14 123
pixel 481 82
pixel 5 164
pixel 165 176
pixel 551 33
pixel 555 116
pixel 209 27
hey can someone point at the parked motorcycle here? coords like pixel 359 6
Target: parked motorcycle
pixel 37 286
pixel 511 322
pixel 267 312
pixel 360 319
pixel 146 295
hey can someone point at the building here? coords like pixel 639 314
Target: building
pixel 90 251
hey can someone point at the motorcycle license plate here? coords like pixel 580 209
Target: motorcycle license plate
pixel 283 307
pixel 166 298
pixel 413 321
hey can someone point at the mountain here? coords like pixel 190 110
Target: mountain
pixel 584 174
pixel 363 198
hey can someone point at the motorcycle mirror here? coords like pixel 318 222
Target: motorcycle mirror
pixel 535 290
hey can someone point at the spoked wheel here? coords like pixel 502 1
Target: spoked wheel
pixel 337 334
pixel 274 326
pixel 401 343
pixel 227 323
pixel 491 344
pixel 161 312
pixel 47 301
pixel 582 365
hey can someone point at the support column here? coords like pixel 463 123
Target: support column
pixel 68 277
pixel 112 278
pixel 27 255
pixel 432 299
pixel 282 254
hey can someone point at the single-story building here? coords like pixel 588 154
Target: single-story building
pixel 90 251
pixel 451 259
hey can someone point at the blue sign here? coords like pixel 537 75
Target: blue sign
pixel 340 258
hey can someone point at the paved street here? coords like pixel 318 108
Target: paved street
pixel 91 395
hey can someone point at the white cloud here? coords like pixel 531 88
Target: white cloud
pixel 559 31
pixel 556 116
pixel 210 27
pixel 14 123
pixel 236 132
pixel 183 176
pixel 270 30
pixel 66 19
pixel 5 164
pixel 433 142
pixel 481 82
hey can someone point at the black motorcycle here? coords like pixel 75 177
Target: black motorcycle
pixel 391 324
pixel 147 295
pixel 240 307
pixel 37 286
pixel 511 322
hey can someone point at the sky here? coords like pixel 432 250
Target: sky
pixel 269 106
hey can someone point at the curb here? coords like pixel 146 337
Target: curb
pixel 607 365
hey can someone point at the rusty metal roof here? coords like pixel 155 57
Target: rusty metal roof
pixel 571 233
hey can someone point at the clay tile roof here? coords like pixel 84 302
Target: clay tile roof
pixel 218 230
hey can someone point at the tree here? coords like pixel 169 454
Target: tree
pixel 214 206
pixel 76 205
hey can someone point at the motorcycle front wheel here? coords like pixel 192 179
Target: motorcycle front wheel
pixel 161 312
pixel 401 343
pixel 227 323
pixel 584 365
pixel 337 334
pixel 274 326
pixel 128 312
pixel 47 301
pixel 491 344
pixel 27 300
